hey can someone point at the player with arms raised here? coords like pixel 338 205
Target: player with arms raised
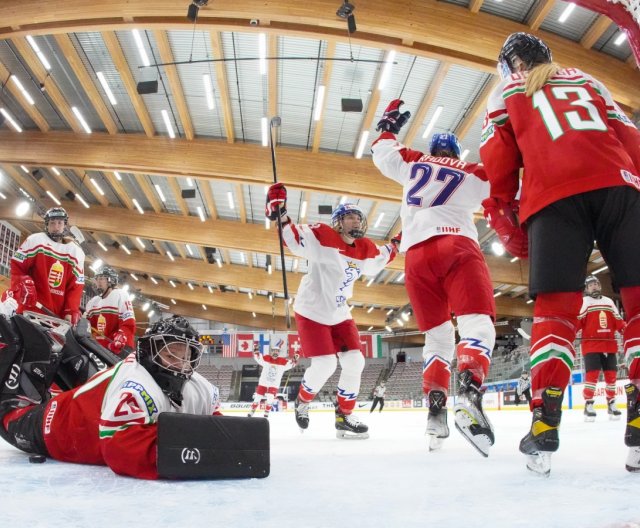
pixel 440 194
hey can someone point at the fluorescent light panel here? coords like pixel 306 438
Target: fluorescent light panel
pixel 80 119
pixel 363 141
pixel 230 199
pixel 167 124
pixel 380 217
pixel 125 249
pixel 57 202
pixel 105 87
pixel 25 94
pixel 141 50
pixel 386 69
pixel 566 13
pixel 208 91
pixel 160 193
pixel 102 246
pixel 137 205
pixel 11 121
pixel 55 171
pixel 39 53
pixel 432 122
pixel 97 186
pixel 620 38
pixel 317 112
pixel 140 243
pixel 201 213
pixel 264 125
pixel 82 200
pixel 303 209
pixel 262 52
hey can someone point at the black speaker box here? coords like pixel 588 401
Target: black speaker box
pixel 352 105
pixel 188 193
pixel 147 87
pixel 325 209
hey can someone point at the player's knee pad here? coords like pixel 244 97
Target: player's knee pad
pixel 440 341
pixel 208 447
pixel 319 372
pixel 352 362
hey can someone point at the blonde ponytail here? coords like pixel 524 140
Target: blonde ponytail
pixel 539 75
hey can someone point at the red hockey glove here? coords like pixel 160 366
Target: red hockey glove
pixel 503 218
pixel 73 316
pixel 396 239
pixel 25 292
pixel 392 120
pixel 118 342
pixel 276 201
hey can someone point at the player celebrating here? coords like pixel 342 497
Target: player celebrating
pixel 544 118
pixel 273 367
pixel 599 320
pixel 48 268
pixel 337 257
pixel 119 417
pixel 110 313
pixel 440 194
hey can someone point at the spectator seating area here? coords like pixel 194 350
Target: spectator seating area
pixel 405 381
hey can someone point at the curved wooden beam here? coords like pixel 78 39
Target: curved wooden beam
pixel 410 26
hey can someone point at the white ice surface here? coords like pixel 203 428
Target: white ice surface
pixel 389 480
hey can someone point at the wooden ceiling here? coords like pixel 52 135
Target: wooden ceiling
pixel 451 34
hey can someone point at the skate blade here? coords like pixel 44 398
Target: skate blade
pixel 633 460
pixel 589 419
pixel 481 441
pixel 614 417
pixel 347 435
pixel 435 443
pixel 540 463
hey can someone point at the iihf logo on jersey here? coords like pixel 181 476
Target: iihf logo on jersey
pixel 630 179
pixel 190 456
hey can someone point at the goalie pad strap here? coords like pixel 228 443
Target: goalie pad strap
pixel 192 446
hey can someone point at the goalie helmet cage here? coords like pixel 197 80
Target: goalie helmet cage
pixel 625 13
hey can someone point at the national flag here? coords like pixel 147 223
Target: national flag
pixel 263 342
pixel 245 345
pixel 228 345
pixel 295 346
pixel 371 345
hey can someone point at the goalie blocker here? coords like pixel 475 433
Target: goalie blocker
pixel 209 447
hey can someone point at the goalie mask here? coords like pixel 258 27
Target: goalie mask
pixel 446 144
pixel 592 287
pixel 338 217
pixel 55 213
pixel 112 278
pixel 170 351
pixel 522 48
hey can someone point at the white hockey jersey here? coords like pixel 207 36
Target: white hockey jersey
pixel 109 314
pixel 272 369
pixel 439 195
pixel 334 266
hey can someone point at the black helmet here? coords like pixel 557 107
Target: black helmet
pixel 597 293
pixel 111 276
pixel 153 353
pixel 528 48
pixel 55 213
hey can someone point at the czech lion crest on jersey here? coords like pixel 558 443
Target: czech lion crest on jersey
pixel 56 274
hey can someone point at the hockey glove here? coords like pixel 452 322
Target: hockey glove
pixel 73 316
pixel 25 292
pixel 276 201
pixel 502 217
pixel 392 120
pixel 397 239
pixel 118 342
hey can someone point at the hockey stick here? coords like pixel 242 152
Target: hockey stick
pixel 274 123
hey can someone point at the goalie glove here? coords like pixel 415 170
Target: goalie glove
pixel 392 119
pixel 502 217
pixel 276 201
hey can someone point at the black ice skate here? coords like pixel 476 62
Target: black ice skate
pixel 632 431
pixel 589 412
pixel 349 426
pixel 302 414
pixel 542 440
pixel 437 427
pixel 470 419
pixel 613 412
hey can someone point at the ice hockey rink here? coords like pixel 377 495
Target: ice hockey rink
pixel 317 481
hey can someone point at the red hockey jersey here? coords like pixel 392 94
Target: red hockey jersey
pixel 599 320
pixel 570 137
pixel 112 419
pixel 110 314
pixel 57 269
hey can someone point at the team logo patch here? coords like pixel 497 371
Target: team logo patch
pixel 146 397
pixel 631 179
pixel 56 274
pixel 190 455
pixel 101 325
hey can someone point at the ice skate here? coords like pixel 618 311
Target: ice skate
pixel 349 426
pixel 470 419
pixel 542 440
pixel 302 414
pixel 250 413
pixel 589 412
pixel 437 427
pixel 613 412
pixel 632 431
